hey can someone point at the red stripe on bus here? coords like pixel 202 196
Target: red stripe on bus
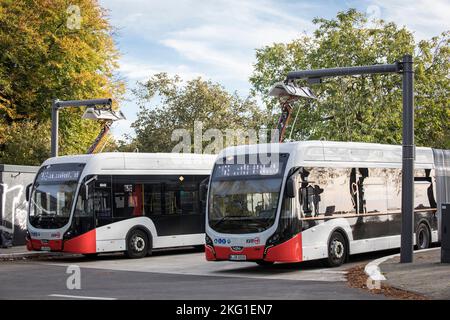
pixel 85 243
pixel 209 253
pixel 289 251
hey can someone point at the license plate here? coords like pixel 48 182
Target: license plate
pixel 45 248
pixel 238 257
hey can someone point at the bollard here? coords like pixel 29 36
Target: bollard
pixel 445 233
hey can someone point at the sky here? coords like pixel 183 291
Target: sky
pixel 216 39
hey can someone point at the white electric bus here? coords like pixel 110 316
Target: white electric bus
pixel 107 202
pixel 318 200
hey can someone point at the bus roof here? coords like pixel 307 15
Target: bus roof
pixel 309 152
pixel 136 163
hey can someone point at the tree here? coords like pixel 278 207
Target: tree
pixel 361 108
pixel 50 49
pixel 166 104
pixel 25 135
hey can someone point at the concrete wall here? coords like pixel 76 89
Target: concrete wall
pixel 13 204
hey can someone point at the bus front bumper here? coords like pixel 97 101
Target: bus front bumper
pixel 288 251
pixel 44 245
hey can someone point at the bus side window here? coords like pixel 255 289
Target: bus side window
pixel 423 189
pixel 172 198
pixel 310 199
pixel 127 200
pixel 152 199
pixel 189 198
pixel 324 191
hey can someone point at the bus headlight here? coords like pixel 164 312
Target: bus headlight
pixel 272 241
pixel 208 241
pixel 68 235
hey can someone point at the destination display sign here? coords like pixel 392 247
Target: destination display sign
pixel 272 168
pixel 67 172
pixel 231 170
pixel 58 176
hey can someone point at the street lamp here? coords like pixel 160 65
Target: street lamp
pixel 98 109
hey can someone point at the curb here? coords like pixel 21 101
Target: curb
pixel 27 255
pixel 372 269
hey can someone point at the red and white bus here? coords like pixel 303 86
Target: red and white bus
pixel 317 200
pixel 107 202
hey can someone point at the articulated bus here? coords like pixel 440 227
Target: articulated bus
pixel 108 202
pixel 318 200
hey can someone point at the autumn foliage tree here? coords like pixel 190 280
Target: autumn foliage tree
pixel 48 50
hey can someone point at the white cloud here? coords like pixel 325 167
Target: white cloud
pixel 424 17
pixel 217 37
pixel 135 70
pixel 204 53
pixel 225 38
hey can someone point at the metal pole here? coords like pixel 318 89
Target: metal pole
pixel 55 125
pixel 57 104
pixel 408 149
pixel 343 71
pixel 82 103
pixel 408 155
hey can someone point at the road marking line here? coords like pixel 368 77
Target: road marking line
pixel 80 297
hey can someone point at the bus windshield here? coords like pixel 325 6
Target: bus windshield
pixel 244 198
pixel 53 195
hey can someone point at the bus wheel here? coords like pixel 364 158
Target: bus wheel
pixel 137 244
pixel 337 250
pixel 264 263
pixel 423 238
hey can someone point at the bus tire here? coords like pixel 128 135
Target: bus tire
pixel 264 263
pixel 337 250
pixel 137 244
pixel 423 237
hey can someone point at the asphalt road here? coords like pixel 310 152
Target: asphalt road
pixel 180 274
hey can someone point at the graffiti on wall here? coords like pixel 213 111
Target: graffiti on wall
pixel 14 208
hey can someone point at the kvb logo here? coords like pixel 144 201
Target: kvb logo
pixel 255 240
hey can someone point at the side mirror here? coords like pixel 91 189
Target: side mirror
pixel 203 189
pixel 86 192
pixel 290 188
pixel 27 192
pixel 86 186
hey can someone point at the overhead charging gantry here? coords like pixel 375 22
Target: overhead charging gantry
pixel 97 109
pixel 288 92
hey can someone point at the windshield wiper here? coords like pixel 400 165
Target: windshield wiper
pixel 225 218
